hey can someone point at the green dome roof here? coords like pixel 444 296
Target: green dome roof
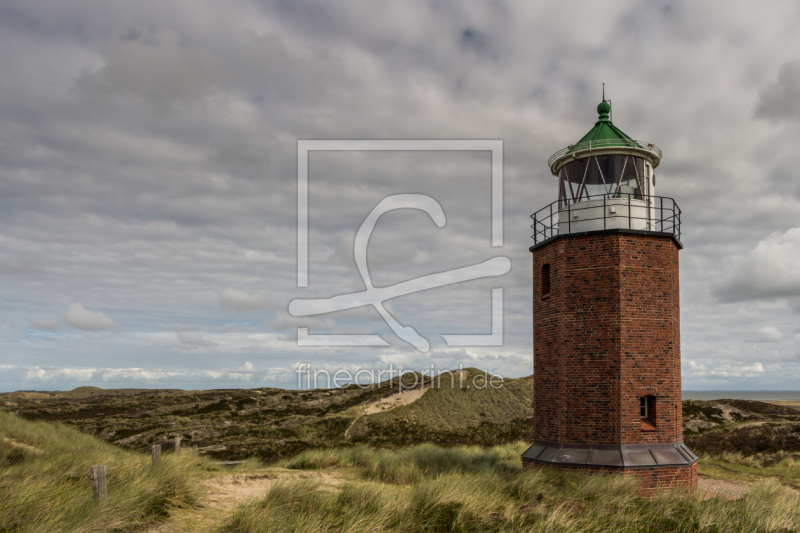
pixel 604 137
pixel 604 130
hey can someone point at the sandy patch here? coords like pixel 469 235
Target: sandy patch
pixel 388 403
pixel 395 400
pixel 228 491
pixel 718 487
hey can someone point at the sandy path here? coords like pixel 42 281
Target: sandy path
pixel 221 494
pixel 226 492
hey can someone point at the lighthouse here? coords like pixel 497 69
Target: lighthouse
pixel 606 316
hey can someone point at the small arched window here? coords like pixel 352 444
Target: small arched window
pixel 647 408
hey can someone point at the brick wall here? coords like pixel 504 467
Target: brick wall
pixel 607 333
pixel 651 479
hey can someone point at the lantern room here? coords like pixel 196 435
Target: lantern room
pixel 606 181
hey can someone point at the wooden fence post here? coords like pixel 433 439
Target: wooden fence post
pixel 155 452
pixel 97 475
pixel 177 445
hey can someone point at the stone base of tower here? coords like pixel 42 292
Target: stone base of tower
pixel 651 479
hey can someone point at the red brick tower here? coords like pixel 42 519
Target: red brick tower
pixel 606 316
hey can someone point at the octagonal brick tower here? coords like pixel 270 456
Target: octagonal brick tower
pixel 606 316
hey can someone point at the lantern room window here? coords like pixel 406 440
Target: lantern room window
pixel 614 176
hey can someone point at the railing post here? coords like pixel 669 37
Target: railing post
pixel 177 445
pixel 155 452
pixel 97 475
pixel 629 210
pixel 604 211
pixel 569 217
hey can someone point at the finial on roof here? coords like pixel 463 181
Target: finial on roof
pixel 603 110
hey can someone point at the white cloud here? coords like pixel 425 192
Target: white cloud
pixel 50 374
pixel 768 334
pixel 79 317
pixel 724 370
pixel 770 270
pixel 240 300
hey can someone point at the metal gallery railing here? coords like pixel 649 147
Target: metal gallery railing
pixel 602 144
pixel 661 216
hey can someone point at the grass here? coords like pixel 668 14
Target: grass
pixel 466 489
pixel 44 481
pixel 737 467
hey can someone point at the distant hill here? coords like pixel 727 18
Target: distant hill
pixel 271 423
pixel 274 423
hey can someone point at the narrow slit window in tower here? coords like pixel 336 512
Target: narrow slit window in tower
pixel 545 280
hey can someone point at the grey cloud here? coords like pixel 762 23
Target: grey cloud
pixel 46 324
pixel 193 339
pixel 781 100
pixel 148 161
pixel 79 317
pixel 240 300
pixel 19 267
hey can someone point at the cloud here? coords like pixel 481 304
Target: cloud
pixel 79 317
pixel 55 374
pixel 241 301
pixel 150 163
pixel 770 270
pixel 19 267
pixel 724 370
pixel 781 100
pixel 767 334
pixel 46 324
pixel 194 340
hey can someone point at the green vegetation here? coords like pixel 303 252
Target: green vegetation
pixel 428 488
pixel 44 481
pixel 44 487
pixel 272 424
pixel 455 411
pixel 737 467
pixel 765 438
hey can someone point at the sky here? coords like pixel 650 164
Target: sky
pixel 149 179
